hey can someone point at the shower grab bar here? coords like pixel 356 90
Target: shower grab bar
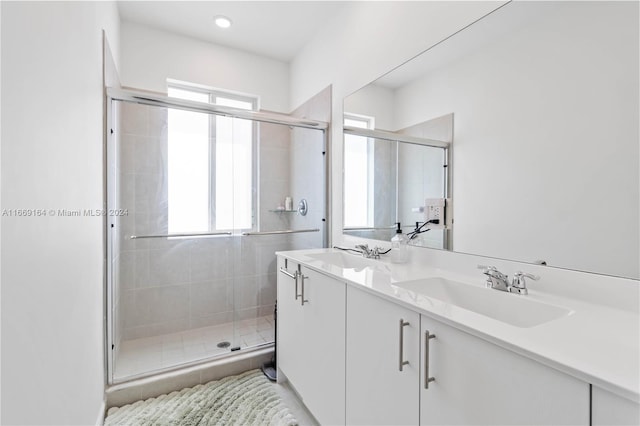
pixel 208 234
pixel 288 231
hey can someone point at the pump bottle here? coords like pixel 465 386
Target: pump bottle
pixel 399 247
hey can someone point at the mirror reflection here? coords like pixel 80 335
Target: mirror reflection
pixel 545 99
pixel 389 178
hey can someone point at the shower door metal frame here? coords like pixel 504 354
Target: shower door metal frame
pixel 112 95
pixel 146 98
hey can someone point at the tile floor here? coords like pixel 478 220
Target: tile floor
pixel 154 353
pixel 291 400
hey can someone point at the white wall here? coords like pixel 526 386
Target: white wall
pixel 546 139
pixel 150 56
pixel 52 267
pixel 373 101
pixel 365 41
pixel 0 208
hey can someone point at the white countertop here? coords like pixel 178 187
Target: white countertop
pixel 598 344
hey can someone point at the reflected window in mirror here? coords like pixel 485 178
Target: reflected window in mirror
pixel 358 174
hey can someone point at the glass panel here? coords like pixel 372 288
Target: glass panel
pixel 224 183
pixel 234 176
pixel 391 181
pixel 420 177
pixel 189 95
pixel 358 209
pixel 181 300
pixel 172 298
pixel 188 168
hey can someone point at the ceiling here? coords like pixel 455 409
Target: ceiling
pixel 276 29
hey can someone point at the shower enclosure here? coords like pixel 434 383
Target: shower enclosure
pixel 197 205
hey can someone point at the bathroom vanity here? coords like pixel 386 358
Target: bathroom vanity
pixel 365 341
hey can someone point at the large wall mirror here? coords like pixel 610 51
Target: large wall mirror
pixel 538 103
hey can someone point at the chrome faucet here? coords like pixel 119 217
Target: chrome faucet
pixel 373 253
pixel 499 281
pixel 495 278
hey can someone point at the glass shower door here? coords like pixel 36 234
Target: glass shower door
pixel 192 266
pixel 171 267
pixel 290 163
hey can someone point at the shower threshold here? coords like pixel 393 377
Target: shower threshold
pixel 150 354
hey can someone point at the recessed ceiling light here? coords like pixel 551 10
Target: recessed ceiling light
pixel 222 21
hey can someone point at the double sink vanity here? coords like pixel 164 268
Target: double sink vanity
pixel 366 341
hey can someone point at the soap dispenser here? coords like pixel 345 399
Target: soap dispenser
pixel 399 246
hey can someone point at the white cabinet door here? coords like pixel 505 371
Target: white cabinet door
pixel 477 382
pixel 311 339
pixel 610 409
pixel 378 393
pixel 290 350
pixel 324 345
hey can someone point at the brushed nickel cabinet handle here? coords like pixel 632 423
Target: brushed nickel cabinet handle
pixel 427 379
pixel 302 278
pixel 294 276
pixel 402 362
pixel 289 274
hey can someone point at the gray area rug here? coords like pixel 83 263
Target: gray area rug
pixel 246 399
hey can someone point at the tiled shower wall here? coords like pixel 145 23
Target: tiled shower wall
pixel 163 286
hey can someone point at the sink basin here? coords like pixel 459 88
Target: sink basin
pixel 509 308
pixel 345 260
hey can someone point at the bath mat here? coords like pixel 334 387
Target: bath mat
pixel 246 399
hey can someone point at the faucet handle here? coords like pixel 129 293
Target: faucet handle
pixel 520 276
pixel 486 269
pixel 519 285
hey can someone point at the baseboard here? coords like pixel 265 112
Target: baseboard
pixel 102 413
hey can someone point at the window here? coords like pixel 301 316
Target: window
pixel 358 174
pixel 210 164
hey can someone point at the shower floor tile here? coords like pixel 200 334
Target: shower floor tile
pixel 153 353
